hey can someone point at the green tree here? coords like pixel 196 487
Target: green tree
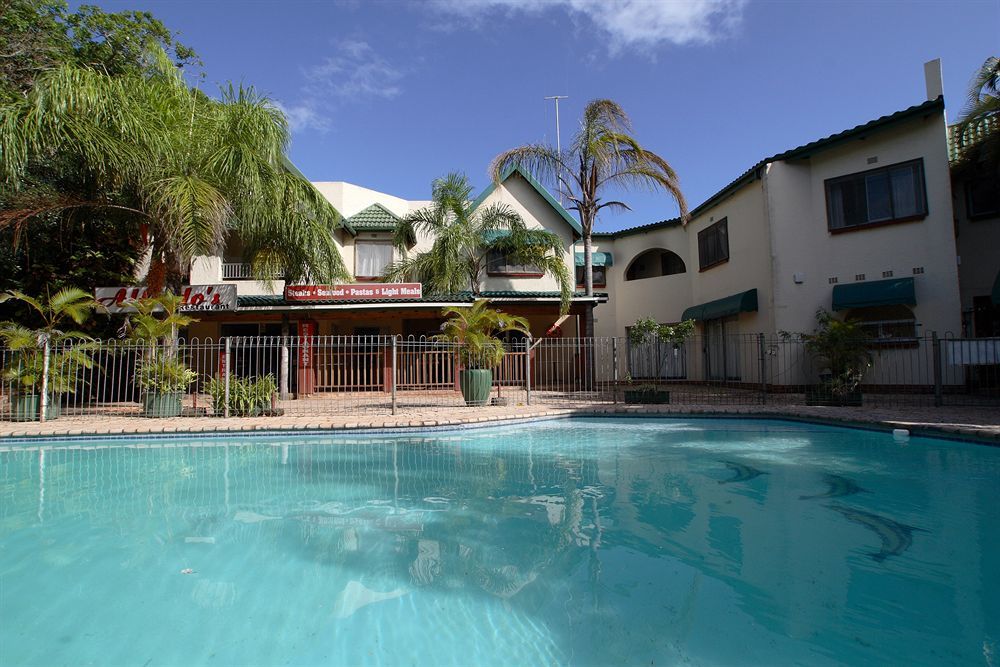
pixel 979 125
pixel 194 168
pixel 603 155
pixel 464 237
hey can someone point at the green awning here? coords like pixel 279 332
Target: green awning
pixel 596 258
pixel 744 302
pixel 891 292
pixel 995 297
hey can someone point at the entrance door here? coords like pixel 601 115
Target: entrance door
pixel 722 349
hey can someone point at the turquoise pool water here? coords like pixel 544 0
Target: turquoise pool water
pixel 581 542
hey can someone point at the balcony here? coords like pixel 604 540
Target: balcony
pixel 236 271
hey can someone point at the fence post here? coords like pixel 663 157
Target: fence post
pixel 614 369
pixel 43 400
pixel 285 356
pixel 527 369
pixel 936 351
pixel 225 369
pixel 394 352
pixel 762 351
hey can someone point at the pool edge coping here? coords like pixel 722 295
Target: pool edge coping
pixel 884 425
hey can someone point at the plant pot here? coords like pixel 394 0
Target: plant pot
pixel 26 408
pixel 645 396
pixel 162 405
pixel 476 384
pixel 821 394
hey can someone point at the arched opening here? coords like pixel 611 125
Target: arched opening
pixel 653 263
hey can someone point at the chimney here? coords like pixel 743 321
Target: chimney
pixel 933 79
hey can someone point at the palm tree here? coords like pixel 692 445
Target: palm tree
pixel 979 125
pixel 464 237
pixel 475 330
pixel 193 168
pixel 31 372
pixel 602 155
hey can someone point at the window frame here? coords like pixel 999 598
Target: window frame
pixel 505 272
pixel 578 272
pixel 969 213
pixel 921 202
pixel 374 242
pixel 702 264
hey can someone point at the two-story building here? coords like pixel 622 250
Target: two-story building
pixel 369 307
pixel 859 223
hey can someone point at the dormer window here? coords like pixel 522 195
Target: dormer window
pixel 371 259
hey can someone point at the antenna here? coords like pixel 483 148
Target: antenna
pixel 556 98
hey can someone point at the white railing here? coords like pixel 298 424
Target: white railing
pixel 236 271
pixel 321 375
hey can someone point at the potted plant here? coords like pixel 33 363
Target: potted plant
pixel 162 376
pixel 479 350
pixel 647 330
pixel 69 351
pixel 840 350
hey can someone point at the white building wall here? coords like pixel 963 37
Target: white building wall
pixel 801 242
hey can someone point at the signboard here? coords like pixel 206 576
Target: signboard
pixel 197 298
pixel 307 356
pixel 356 292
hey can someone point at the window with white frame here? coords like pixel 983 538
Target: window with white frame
pixel 886 325
pixel 370 259
pixel 889 194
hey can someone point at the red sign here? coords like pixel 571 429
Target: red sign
pixel 307 334
pixel 357 292
pixel 196 298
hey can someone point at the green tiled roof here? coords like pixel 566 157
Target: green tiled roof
pixel 259 301
pixel 540 189
pixel 375 218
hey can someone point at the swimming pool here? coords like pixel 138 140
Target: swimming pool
pixel 584 541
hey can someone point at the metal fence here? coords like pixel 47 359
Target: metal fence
pixel 369 375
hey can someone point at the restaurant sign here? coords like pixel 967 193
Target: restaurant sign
pixel 355 292
pixel 196 298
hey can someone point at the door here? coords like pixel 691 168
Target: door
pixel 722 349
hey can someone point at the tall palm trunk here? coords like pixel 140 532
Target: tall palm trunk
pixel 588 264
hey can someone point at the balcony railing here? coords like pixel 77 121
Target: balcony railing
pixel 236 271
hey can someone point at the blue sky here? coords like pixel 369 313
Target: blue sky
pixel 390 95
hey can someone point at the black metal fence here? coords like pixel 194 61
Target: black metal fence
pixel 367 375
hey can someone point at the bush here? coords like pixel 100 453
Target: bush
pixel 247 397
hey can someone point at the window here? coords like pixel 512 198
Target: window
pixel 600 276
pixel 886 325
pixel 370 259
pixel 713 245
pixel 890 194
pixel 499 264
pixel 654 263
pixel 982 198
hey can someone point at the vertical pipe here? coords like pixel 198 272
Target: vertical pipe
pixel 762 351
pixel 225 369
pixel 393 380
pixel 936 350
pixel 614 369
pixel 43 400
pixel 527 369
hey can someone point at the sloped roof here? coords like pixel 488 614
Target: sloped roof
pixel 799 152
pixel 375 218
pixel 539 188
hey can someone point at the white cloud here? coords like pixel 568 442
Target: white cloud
pixel 626 23
pixel 354 73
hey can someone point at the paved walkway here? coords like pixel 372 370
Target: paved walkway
pixel 980 423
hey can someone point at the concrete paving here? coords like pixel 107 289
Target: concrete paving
pixel 979 423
